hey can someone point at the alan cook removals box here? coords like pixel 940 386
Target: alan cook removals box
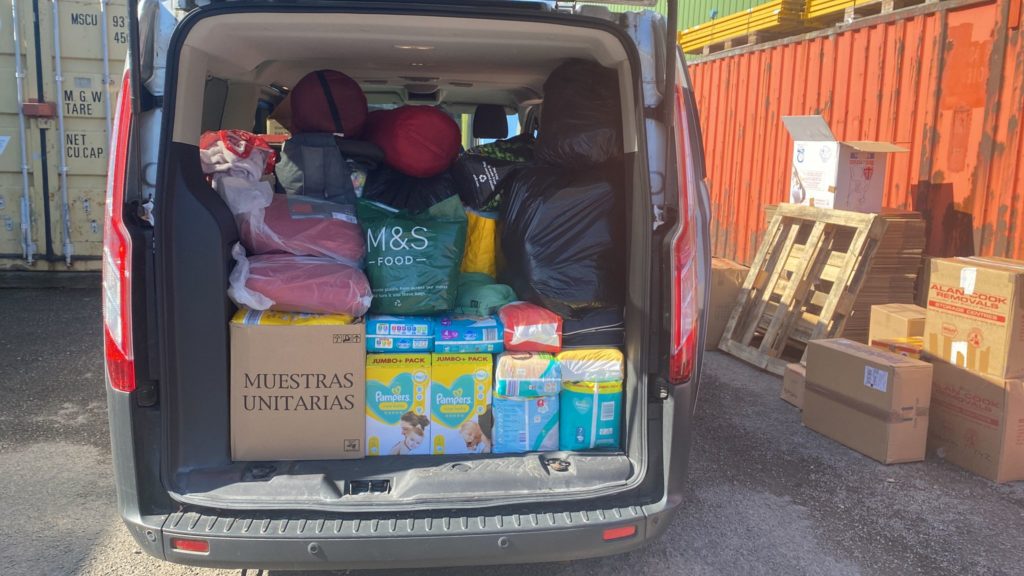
pixel 726 281
pixel 832 174
pixel 297 392
pixel 872 401
pixel 976 315
pixel 977 422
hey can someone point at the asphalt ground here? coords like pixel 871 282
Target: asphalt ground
pixel 766 496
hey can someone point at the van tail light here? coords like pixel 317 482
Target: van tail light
pixel 619 533
pixel 685 317
pixel 117 251
pixel 190 545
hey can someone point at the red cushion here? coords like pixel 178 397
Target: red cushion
pixel 279 231
pixel 419 141
pixel 306 284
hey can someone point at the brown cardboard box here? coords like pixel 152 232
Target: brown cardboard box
pixel 872 401
pixel 890 321
pixel 297 392
pixel 793 384
pixel 976 315
pixel 910 347
pixel 726 280
pixel 978 422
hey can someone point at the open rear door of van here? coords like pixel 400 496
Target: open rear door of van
pixel 679 199
pixel 130 337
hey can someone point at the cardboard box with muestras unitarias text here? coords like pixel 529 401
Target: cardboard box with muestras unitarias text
pixel 297 387
pixel 827 173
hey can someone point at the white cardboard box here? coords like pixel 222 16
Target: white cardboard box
pixel 828 173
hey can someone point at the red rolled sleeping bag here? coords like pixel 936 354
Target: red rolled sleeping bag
pixel 301 284
pixel 330 102
pixel 418 141
pixel 303 226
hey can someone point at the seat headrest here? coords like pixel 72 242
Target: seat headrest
pixel 490 121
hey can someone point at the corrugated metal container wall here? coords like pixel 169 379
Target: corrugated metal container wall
pixel 945 81
pixel 693 12
pixel 75 84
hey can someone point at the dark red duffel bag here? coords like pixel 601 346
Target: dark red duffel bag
pixel 418 141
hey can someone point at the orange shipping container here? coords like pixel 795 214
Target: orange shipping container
pixel 945 80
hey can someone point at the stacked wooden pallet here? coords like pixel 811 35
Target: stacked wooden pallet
pixel 831 10
pixel 890 279
pixel 775 17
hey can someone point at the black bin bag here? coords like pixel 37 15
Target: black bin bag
pixel 563 239
pixel 581 117
pixel 392 188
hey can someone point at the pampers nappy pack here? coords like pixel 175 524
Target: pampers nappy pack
pixel 397 404
pixel 591 399
pixel 459 334
pixel 399 334
pixel 525 424
pixel 460 397
pixel 527 375
pixel 526 401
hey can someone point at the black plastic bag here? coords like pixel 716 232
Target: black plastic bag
pixel 581 118
pixel 595 329
pixel 479 170
pixel 413 195
pixel 477 178
pixel 563 239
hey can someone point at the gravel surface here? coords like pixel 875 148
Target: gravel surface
pixel 767 496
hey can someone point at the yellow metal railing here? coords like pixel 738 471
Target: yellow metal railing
pixel 776 16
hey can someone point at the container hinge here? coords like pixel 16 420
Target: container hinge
pixel 566 6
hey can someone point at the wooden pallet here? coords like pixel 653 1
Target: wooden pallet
pixel 848 11
pixel 749 40
pixel 892 277
pixel 807 273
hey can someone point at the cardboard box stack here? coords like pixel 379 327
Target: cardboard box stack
pixel 974 336
pixel 893 271
pixel 872 401
pixel 726 281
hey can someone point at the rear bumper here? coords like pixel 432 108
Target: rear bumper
pixel 310 541
pixel 423 541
